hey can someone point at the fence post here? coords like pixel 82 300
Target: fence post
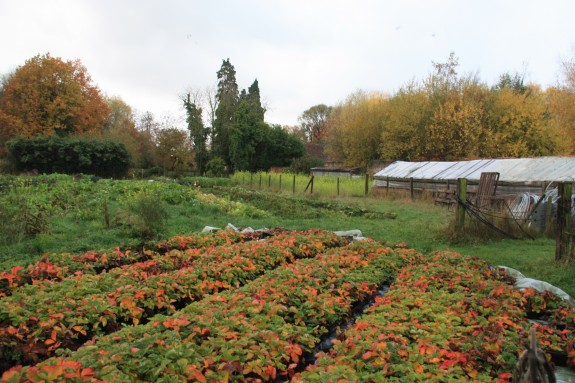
pixel 260 186
pixel 549 216
pixel 269 181
pixel 366 183
pixel 293 187
pixel 338 186
pixel 411 192
pixel 564 221
pixel 387 185
pixel 251 180
pixel 310 183
pixel 460 212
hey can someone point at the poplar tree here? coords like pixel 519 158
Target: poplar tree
pixel 198 134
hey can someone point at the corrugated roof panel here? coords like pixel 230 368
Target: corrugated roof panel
pixel 512 169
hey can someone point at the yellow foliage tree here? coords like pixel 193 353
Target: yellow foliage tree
pixel 521 126
pixel 407 115
pixel 454 131
pixel 358 123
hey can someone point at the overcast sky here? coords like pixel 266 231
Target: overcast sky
pixel 303 53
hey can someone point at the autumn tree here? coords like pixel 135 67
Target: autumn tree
pixel 198 133
pixel 121 126
pixel 313 122
pixel 173 147
pixel 453 131
pixel 147 127
pixel 49 96
pixel 360 121
pixel 227 97
pixel 408 114
pixel 560 100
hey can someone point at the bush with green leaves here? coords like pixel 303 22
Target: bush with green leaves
pixel 216 167
pixel 21 218
pixel 146 214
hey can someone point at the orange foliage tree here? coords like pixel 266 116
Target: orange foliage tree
pixel 48 96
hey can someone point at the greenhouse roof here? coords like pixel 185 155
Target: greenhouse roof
pixel 511 169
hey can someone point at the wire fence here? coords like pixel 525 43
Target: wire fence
pixel 300 184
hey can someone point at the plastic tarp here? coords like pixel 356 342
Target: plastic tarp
pixel 510 169
pixel 522 282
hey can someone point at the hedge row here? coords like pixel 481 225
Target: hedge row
pixel 69 156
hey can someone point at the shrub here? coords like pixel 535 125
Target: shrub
pixel 145 216
pixel 216 167
pixel 21 218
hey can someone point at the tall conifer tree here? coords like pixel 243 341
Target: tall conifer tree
pixel 228 98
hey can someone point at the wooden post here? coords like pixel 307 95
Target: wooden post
pixel 387 185
pixel 460 212
pixel 280 182
pixel 269 181
pixel 447 184
pixel 411 191
pixel 310 183
pixel 338 186
pixel 549 216
pixel 293 187
pixel 260 180
pixel 251 180
pixel 366 183
pixel 564 221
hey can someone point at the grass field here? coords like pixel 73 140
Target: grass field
pixel 67 215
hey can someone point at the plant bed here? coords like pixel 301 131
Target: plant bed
pixel 39 319
pixel 445 320
pixel 255 334
pixel 56 267
pixel 259 311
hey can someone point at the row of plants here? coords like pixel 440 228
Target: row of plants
pixel 283 205
pixel 262 332
pixel 446 320
pixel 36 320
pixel 57 266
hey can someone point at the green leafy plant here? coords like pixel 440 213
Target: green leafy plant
pixel 145 216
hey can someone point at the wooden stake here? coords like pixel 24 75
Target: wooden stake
pixel 460 212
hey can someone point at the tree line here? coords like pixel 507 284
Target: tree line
pixel 445 116
pixel 50 97
pixel 448 116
